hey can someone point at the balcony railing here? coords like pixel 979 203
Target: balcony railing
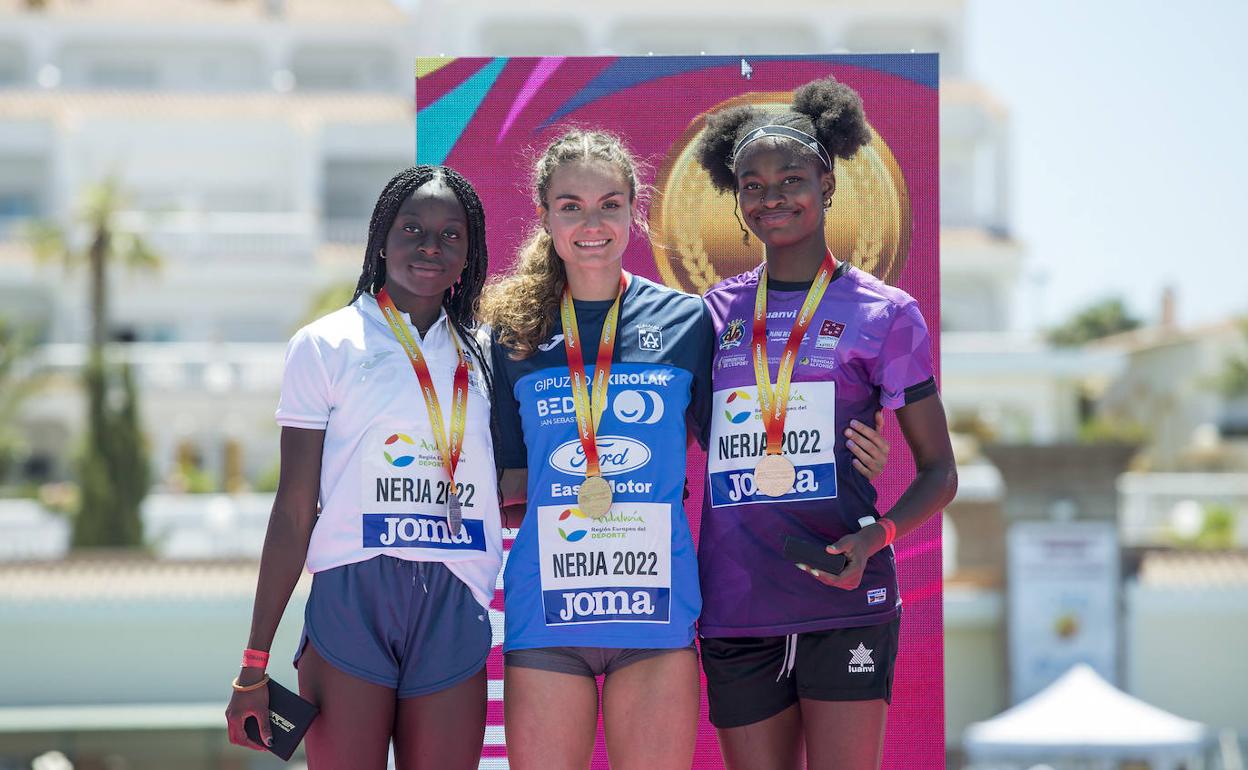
pixel 189 235
pixel 190 367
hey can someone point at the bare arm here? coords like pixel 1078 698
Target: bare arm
pixel 935 483
pixel 513 492
pixel 281 564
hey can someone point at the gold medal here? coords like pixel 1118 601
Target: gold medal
pixel 774 475
pixel 594 497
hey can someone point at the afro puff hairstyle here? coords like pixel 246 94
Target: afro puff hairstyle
pixel 826 109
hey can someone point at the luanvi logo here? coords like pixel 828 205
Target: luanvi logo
pixel 861 662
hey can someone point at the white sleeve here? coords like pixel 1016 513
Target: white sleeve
pixel 305 400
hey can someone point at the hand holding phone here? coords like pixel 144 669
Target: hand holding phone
pixel 813 555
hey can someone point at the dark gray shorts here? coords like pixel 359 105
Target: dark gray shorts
pixel 408 625
pixel 582 661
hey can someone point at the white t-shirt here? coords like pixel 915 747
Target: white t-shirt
pixel 383 485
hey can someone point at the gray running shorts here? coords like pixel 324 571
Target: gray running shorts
pixel 582 661
pixel 408 625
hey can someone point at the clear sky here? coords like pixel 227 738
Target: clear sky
pixel 1129 168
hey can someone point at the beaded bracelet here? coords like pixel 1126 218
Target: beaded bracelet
pixel 264 680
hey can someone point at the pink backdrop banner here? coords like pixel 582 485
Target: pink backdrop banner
pixel 489 118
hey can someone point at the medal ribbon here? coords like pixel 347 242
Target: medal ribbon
pixel 773 405
pixel 451 447
pixel 589 413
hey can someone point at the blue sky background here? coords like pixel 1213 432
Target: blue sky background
pixel 1129 164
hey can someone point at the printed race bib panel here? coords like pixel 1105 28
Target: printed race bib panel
pixel 614 569
pixel 404 492
pixel 738 439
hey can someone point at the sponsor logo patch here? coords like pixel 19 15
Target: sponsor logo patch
pixel 418 530
pixel 733 335
pixel 877 596
pixel 738 407
pixel 638 406
pixel 597 605
pixel 395 443
pixel 576 530
pixel 616 455
pixel 649 337
pixel 830 335
pixel 860 661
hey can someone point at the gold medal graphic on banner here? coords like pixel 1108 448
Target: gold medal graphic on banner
pixel 695 236
pixel 774 473
pixel 594 497
pixel 449 446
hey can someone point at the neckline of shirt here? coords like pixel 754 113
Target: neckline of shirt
pixel 842 268
pixel 603 304
pixel 367 304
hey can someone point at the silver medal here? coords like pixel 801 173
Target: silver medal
pixel 454 514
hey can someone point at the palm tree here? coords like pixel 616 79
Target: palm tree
pixel 112 469
pixel 106 244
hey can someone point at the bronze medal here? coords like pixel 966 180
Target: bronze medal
pixel 594 497
pixel 774 475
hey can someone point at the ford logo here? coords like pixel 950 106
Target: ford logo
pixel 616 455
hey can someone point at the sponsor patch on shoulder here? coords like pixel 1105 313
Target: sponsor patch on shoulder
pixel 877 596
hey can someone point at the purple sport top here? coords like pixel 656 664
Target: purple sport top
pixel 866 347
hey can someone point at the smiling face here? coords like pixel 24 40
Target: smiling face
pixel 588 211
pixel 427 245
pixel 781 188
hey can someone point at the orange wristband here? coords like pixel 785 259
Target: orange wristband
pixel 255 659
pixel 890 530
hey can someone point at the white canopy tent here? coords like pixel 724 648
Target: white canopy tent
pixel 1082 720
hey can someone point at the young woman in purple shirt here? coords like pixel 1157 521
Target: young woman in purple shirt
pixel 799 659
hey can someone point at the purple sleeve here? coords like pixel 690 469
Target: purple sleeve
pixel 903 371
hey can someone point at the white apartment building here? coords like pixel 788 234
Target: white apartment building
pixel 251 138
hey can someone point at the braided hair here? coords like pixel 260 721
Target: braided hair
pixel 460 300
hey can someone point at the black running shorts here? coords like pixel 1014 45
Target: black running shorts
pixel 749 679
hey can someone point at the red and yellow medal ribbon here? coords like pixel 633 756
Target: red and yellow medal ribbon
pixel 450 446
pixel 773 404
pixel 589 412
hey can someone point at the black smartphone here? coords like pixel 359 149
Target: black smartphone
pixel 290 716
pixel 813 555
